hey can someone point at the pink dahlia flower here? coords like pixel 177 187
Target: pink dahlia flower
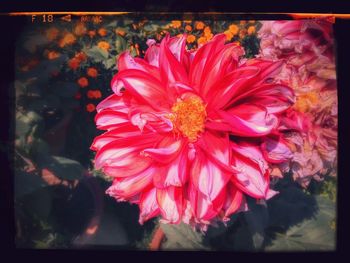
pixel 188 134
pixel 300 42
pixel 313 143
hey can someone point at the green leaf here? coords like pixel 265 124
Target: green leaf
pixel 182 237
pixel 120 44
pixel 310 235
pixel 63 168
pixel 109 63
pixel 26 183
pixel 97 54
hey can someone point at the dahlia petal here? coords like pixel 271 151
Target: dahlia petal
pixel 170 203
pixel 208 177
pixel 145 116
pixel 249 120
pixel 268 69
pixel 152 55
pixel 275 150
pixel 171 69
pixel 122 131
pixel 126 61
pixel 271 193
pixel 114 102
pixel 131 185
pixel 202 208
pixel 174 173
pixel 215 145
pixel 137 164
pixel 166 151
pixel 143 86
pixel 275 98
pixel 148 205
pixel 253 152
pixel 233 200
pixel 109 119
pixel 177 46
pixel 216 68
pixel 231 85
pixel 116 153
pixel 202 56
pixel 250 179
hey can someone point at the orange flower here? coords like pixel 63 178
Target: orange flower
pixel 201 40
pixel 102 32
pixel 52 33
pixel 233 29
pixel 188 28
pixel 176 23
pixel 103 45
pixel 251 21
pixel 243 22
pixel 199 25
pixel 92 72
pixel 81 56
pixel 207 30
pixel 191 38
pixel 251 30
pixel 53 55
pixel 242 33
pixel 98 94
pixel 120 32
pixel 74 63
pixel 68 39
pixel 228 34
pixel 188 21
pixel 83 82
pixel 94 94
pixel 80 29
pixel 92 33
pixel 90 107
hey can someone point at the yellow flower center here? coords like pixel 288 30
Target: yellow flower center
pixel 188 117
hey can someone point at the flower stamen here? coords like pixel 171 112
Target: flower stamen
pixel 188 117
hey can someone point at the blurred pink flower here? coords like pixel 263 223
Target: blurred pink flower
pixel 299 42
pixel 314 146
pixel 188 134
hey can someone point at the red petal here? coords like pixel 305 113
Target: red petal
pixel 202 56
pixel 171 69
pixel 110 119
pixel 148 205
pixel 250 180
pixel 216 147
pixel 126 61
pixel 232 85
pixel 170 202
pixel 143 86
pixel 233 200
pixel 131 185
pixel 175 173
pixel 217 67
pixel 202 208
pixel 249 120
pixel 208 177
